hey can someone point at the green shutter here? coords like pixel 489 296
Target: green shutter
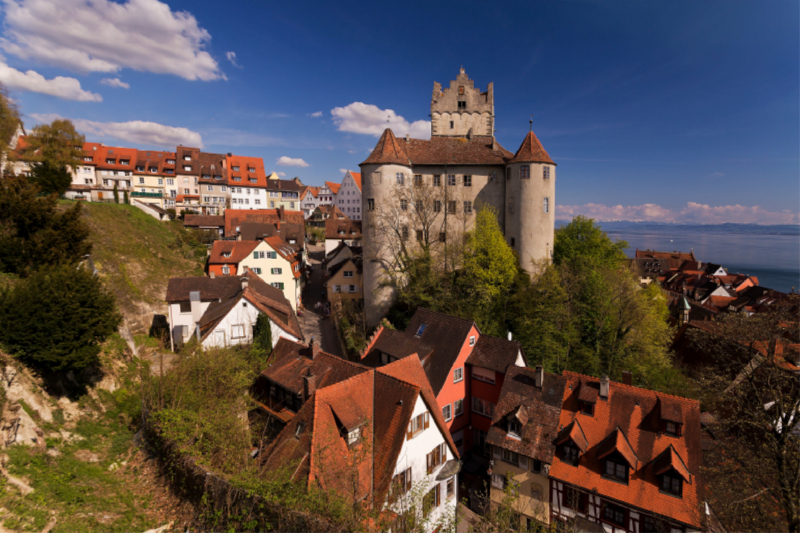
pixel 255 255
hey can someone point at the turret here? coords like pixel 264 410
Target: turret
pixel 530 202
pixel 461 107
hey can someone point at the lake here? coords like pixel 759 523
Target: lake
pixel 774 259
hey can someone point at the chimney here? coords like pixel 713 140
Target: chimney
pixel 230 154
pixel 627 377
pixel 539 377
pixel 281 211
pixel 197 306
pixel 604 387
pixel 315 349
pixel 309 385
pixel 407 137
pixel 212 275
pixel 509 335
pixel 245 282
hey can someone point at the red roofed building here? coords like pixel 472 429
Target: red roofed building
pixel 377 437
pixel 247 181
pixel 348 195
pixel 627 458
pixel 234 218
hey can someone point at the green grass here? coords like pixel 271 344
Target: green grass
pixel 136 254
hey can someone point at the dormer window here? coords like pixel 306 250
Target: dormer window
pixel 110 161
pixel 673 429
pixel 472 340
pixel 153 169
pixel 353 436
pixel 421 329
pixel 587 408
pixel 124 161
pixel 235 169
pixel 299 429
pixel 571 454
pixel 226 254
pixel 615 468
pixel 514 429
pixel 672 484
pixel 139 169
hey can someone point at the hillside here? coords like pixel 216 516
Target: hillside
pixel 135 255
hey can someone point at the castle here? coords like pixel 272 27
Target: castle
pixel 461 168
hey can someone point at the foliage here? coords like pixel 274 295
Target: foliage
pixel 753 389
pixel 582 243
pixel 34 232
pixel 315 234
pixel 51 179
pixel 262 335
pixel 9 119
pixel 125 197
pixel 57 144
pixel 116 193
pixel 57 318
pixel 352 326
pixel 489 263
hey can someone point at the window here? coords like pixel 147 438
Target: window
pixel 251 169
pixel 546 172
pixel 546 204
pixel 417 425
pixel 510 457
pixel 404 205
pixel 498 481
pixel 170 181
pixel 513 429
pixel 235 169
pixel 672 484
pixel 512 242
pixel 458 375
pixel 431 500
pixel 210 187
pixel 447 412
pixel 352 288
pixel 451 124
pixel 437 206
pixel 437 457
pixel 186 307
pixel 536 466
pixel 352 436
pixel 525 172
pixel 256 270
pixel 462 105
pixel 467 207
pixel 153 169
pixel 508 174
pixel 442 237
pixel 257 202
pixel 451 207
pixel 272 255
pixel 141 181
pixel 451 487
pixel 451 180
pixel 187 158
pixel 614 514
pixel 401 178
pixel 421 329
pixel 437 180
pixel 237 331
pixel 536 491
pixel 337 288
pixel 187 168
pixel 587 408
pixel 402 482
pixel 161 181
pixel 418 206
pixel 482 407
pixel 458 407
pixel 571 455
pixel 276 271
pixel 277 285
pixel 417 179
pixel 258 255
pixel 348 273
pixel 574 499
pixel 405 232
pixel 226 270
pixel 467 181
pixel 672 429
pixel 110 161
pixel 472 340
pixel 615 469
pixel 370 204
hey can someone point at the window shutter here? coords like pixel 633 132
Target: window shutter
pixel 438 494
pixel 428 459
pixel 427 420
pixel 410 433
pixel 523 462
pixel 408 479
pixel 255 255
pixel 444 453
pixel 497 452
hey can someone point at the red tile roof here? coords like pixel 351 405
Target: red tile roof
pixel 439 151
pixel 531 151
pixel 243 176
pixel 636 414
pixel 495 353
pixel 286 251
pixel 653 254
pixel 388 150
pixel 334 187
pixel 236 217
pixel 334 228
pixel 356 178
pixel 230 252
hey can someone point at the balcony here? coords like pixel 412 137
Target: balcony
pixel 138 194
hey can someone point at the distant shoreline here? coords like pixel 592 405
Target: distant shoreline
pixel 717 229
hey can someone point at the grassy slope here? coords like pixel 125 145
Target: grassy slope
pixel 136 254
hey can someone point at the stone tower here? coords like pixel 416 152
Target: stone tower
pixel 461 109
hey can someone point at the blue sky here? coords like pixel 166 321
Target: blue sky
pixel 682 111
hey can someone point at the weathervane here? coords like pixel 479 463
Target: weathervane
pixel 531 122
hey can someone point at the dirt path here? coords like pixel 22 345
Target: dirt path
pixel 312 322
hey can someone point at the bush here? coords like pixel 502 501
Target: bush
pixel 50 178
pixel 57 318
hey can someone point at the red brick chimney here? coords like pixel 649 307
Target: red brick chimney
pixel 627 377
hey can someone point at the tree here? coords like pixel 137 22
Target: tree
pixel 752 388
pixel 57 318
pixel 490 264
pixel 34 232
pixel 9 119
pixel 262 334
pixel 51 179
pixel 582 243
pixel 57 144
pixel 116 193
pixel 125 197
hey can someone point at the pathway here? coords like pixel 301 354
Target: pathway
pixel 312 323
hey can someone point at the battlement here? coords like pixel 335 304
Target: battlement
pixel 461 108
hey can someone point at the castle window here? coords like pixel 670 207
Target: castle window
pixel 437 206
pixel 462 105
pixel 546 205
pixel 525 172
pixel 404 205
pixel 467 207
pixel 437 180
pixel 370 204
pixel 451 124
pixel 460 89
pixel 401 178
pixel 512 242
pixel 417 179
pixel 467 181
pixel 451 207
pixel 672 484
pixel 508 174
pixel 442 237
pixel 451 180
pixel 546 173
pixel 405 232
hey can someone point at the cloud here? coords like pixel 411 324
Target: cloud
pixel 106 36
pixel 232 58
pixel 343 171
pixel 136 131
pixel 291 162
pixel 65 88
pixel 115 82
pixel 315 115
pixel 694 213
pixel 369 119
pixel 281 174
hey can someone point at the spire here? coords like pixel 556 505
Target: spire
pixel 531 151
pixel 388 150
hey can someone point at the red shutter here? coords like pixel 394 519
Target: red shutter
pixel 427 420
pixel 408 480
pixel 444 453
pixel 438 494
pixel 428 462
pixel 410 433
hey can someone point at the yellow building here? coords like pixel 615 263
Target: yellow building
pixel 345 281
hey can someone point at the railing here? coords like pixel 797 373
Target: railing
pixel 146 194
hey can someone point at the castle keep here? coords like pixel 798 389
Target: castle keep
pixel 464 167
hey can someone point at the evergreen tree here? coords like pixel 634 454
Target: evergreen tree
pixel 125 197
pixel 262 334
pixel 34 232
pixel 57 318
pixel 51 179
pixel 116 193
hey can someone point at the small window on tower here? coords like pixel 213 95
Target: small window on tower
pixel 461 89
pixel 451 124
pixel 462 105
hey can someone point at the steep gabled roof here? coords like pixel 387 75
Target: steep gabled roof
pixel 334 187
pixel 388 150
pixel 495 353
pixel 356 178
pixel 334 227
pixel 230 252
pixel 197 221
pixel 531 151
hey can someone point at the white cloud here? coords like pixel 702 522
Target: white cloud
pixel 343 170
pixel 292 162
pixel 369 119
pixel 281 174
pixel 106 36
pixel 65 88
pixel 115 82
pixel 693 213
pixel 232 58
pixel 136 131
pixel 315 115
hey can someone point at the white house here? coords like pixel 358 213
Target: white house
pixel 348 198
pixel 222 311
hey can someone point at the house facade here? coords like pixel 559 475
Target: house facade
pixel 344 282
pixel 348 197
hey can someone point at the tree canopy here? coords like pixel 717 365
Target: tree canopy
pixel 58 144
pixel 51 179
pixel 9 119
